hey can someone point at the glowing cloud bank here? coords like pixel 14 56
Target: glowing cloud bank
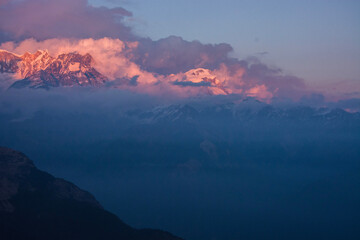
pixel 117 60
pixel 169 66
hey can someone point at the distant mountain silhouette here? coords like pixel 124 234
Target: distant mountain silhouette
pixel 35 205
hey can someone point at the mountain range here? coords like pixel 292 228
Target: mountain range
pixel 41 70
pixel 249 109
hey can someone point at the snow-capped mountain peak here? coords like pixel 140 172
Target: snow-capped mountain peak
pixel 41 70
pixel 201 77
pixel 32 63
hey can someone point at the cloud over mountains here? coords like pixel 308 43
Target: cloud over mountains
pixel 168 65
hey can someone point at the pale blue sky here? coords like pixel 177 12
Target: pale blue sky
pixel 318 40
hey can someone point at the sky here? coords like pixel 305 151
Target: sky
pixel 315 40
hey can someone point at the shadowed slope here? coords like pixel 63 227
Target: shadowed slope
pixel 35 205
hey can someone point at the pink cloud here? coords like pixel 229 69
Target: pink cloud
pixel 173 55
pixel 113 58
pixel 146 65
pixel 43 19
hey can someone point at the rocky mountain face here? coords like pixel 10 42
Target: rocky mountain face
pixel 8 62
pixel 40 70
pixel 35 205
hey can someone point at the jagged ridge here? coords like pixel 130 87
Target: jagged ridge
pixel 40 70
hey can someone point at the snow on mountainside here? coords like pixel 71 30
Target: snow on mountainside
pixel 248 109
pixel 201 77
pixel 170 113
pixel 40 70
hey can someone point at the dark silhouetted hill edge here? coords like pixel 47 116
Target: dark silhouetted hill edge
pixel 35 205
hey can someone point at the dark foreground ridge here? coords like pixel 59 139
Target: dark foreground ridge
pixel 35 205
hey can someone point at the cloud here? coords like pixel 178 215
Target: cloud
pixel 6 80
pixel 350 105
pixel 110 55
pixel 134 62
pixel 193 84
pixel 43 19
pixel 260 91
pixel 114 58
pixel 313 99
pixel 285 86
pixel 172 55
pixel 262 53
pixel 3 2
